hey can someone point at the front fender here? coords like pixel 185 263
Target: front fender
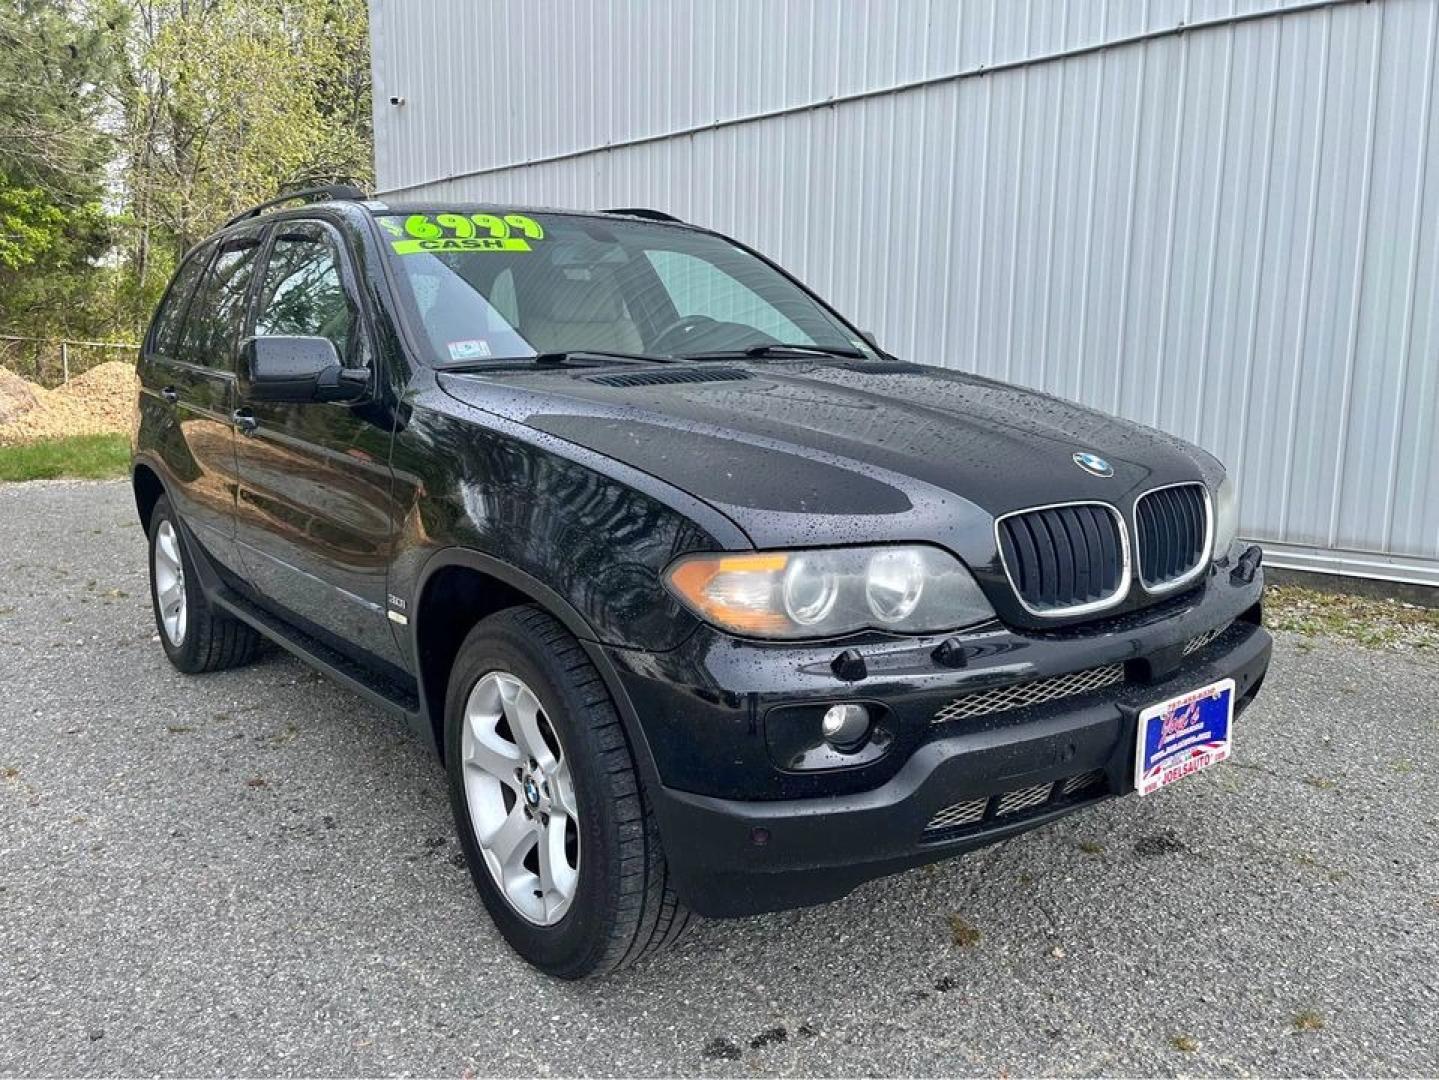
pixel 552 515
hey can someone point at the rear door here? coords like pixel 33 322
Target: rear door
pixel 192 373
pixel 314 512
pixel 159 427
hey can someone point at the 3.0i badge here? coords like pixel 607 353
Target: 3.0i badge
pixel 1093 464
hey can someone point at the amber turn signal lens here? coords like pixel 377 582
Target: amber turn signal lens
pixel 735 591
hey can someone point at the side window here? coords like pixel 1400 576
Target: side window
pixel 212 327
pixel 304 295
pixel 697 287
pixel 170 319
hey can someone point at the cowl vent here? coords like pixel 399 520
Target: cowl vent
pixel 663 376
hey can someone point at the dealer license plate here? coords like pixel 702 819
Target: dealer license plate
pixel 1183 735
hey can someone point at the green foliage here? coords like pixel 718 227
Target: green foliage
pixel 50 283
pixel 129 129
pixel 30 225
pixel 87 457
pixel 55 65
pixel 234 100
pixel 57 62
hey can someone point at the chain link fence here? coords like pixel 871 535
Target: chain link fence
pixel 51 362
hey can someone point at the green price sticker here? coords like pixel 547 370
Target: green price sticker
pixel 424 234
pixel 459 243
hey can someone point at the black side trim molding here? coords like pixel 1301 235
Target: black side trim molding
pixel 391 696
pixel 388 694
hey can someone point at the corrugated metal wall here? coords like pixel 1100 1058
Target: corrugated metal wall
pixel 1220 217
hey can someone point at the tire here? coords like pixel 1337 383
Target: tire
pixel 621 905
pixel 207 639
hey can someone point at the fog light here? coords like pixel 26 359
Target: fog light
pixel 845 725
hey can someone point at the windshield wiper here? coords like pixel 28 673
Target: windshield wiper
pixel 557 359
pixel 822 350
pixel 778 348
pixel 553 359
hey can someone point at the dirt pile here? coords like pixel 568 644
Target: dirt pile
pixel 99 402
pixel 17 396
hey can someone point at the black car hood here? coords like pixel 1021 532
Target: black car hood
pixel 819 452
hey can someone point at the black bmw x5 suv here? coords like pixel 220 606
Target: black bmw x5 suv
pixel 707 604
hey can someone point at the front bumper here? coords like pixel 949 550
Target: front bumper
pixel 744 833
pixel 818 849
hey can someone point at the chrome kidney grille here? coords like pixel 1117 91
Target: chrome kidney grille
pixel 1172 526
pixel 1074 559
pixel 1067 559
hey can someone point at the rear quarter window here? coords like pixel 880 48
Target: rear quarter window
pixel 170 318
pixel 213 324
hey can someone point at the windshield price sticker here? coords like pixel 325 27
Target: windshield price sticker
pixel 424 234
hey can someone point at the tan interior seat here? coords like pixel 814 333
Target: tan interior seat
pixel 574 313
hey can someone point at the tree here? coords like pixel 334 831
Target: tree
pixel 56 64
pixel 230 101
pixel 129 129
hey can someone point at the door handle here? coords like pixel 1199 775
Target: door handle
pixel 170 394
pixel 244 421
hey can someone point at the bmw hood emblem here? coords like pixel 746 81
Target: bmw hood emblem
pixel 1093 464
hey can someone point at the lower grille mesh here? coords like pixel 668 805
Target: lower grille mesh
pixel 1198 641
pixel 964 813
pixel 1072 789
pixel 1083 782
pixel 1034 692
pixel 1012 802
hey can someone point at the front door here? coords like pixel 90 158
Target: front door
pixel 313 519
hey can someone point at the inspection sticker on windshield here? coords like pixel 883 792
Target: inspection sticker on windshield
pixel 469 350
pixel 1183 735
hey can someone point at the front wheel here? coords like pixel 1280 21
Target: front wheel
pixel 560 842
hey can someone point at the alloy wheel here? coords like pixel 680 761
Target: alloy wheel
pixel 521 798
pixel 170 583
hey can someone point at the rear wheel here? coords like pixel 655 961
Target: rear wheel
pixel 560 843
pixel 196 637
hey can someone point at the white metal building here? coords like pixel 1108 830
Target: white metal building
pixel 1220 217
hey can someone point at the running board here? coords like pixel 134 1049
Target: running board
pixel 388 694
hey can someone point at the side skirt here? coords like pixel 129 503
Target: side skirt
pixel 392 697
pixel 397 697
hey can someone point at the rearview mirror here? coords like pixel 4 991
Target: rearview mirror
pixel 297 369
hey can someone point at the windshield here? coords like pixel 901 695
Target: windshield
pixel 483 287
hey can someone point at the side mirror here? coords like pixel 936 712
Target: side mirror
pixel 297 369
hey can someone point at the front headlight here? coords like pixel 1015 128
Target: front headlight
pixel 911 589
pixel 1226 517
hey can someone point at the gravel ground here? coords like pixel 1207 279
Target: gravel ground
pixel 254 873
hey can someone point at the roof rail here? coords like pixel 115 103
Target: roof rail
pixel 346 192
pixel 644 212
